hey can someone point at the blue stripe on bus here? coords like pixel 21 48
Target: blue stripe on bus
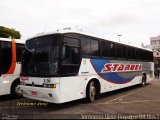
pixel 113 77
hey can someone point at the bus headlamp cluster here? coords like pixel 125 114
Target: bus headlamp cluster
pixel 49 85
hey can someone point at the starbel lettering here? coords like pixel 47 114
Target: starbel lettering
pixel 118 67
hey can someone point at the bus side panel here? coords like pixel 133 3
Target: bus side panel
pixel 87 69
pixel 135 76
pixel 13 70
pixel 17 69
pixel 71 88
pixel 114 80
pixel 5 84
pixel 150 66
pixel 6 80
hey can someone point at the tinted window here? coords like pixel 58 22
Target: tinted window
pixel 118 50
pixel 6 56
pixel 43 52
pixel 43 41
pixel 138 54
pixel 124 52
pixel 94 48
pixel 144 55
pixel 131 53
pixel 141 55
pixel 26 62
pixel 85 46
pixel 70 51
pixel 89 47
pixel 19 51
pixel 70 41
pixel 69 56
pixel 150 56
pixel 108 49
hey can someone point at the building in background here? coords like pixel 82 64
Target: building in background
pixel 155 46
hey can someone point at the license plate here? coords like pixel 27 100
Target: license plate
pixel 34 93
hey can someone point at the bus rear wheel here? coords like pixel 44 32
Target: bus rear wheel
pixel 143 84
pixel 91 92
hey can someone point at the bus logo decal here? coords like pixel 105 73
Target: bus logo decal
pixel 117 67
pixel 111 71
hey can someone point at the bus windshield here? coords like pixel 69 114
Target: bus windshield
pixel 41 56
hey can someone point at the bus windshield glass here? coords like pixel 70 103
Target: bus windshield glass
pixel 41 56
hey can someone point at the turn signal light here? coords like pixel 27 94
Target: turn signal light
pixel 52 85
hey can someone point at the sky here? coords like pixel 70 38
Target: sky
pixel 135 20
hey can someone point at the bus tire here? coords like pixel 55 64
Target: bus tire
pixel 91 91
pixel 143 84
pixel 15 89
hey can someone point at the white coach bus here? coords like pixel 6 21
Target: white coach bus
pixel 66 66
pixel 10 64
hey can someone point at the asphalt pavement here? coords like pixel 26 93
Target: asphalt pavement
pixel 129 103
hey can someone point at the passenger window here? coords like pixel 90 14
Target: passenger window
pixel 89 47
pixel 94 48
pixel 124 52
pixel 69 55
pixel 70 41
pixel 85 46
pixel 108 49
pixel 6 56
pixel 19 51
pixel 118 50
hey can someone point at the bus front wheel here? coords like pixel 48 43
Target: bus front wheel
pixel 91 92
pixel 15 89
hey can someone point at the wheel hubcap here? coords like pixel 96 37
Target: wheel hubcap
pixel 92 91
pixel 18 91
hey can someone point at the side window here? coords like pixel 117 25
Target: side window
pixel 94 48
pixel 144 55
pixel 85 46
pixel 131 53
pixel 124 52
pixel 118 51
pixel 6 56
pixel 151 56
pixel 70 51
pixel 69 56
pixel 108 49
pixel 89 47
pixel 138 54
pixel 70 41
pixel 19 51
pixel 141 54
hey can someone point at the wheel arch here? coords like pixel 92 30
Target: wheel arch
pixel 16 81
pixel 98 84
pixel 144 74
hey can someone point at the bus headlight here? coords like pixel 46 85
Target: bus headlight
pixel 49 85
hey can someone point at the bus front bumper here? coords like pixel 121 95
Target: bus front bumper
pixel 39 93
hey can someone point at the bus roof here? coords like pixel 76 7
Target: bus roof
pixel 9 39
pixel 82 33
